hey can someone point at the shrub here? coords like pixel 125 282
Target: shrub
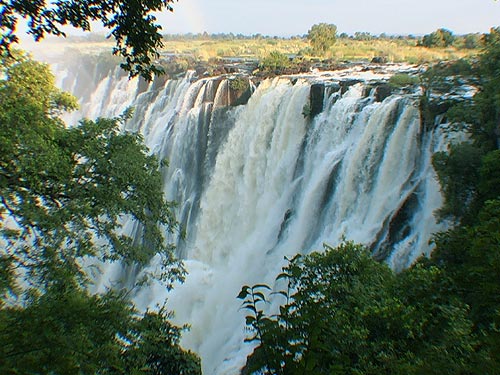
pixel 438 38
pixel 239 84
pixel 402 80
pixel 275 62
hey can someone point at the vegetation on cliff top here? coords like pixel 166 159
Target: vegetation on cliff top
pixel 360 47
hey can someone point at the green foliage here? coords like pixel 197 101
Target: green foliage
pixel 63 186
pixel 363 35
pixel 458 172
pixel 322 36
pixel 306 110
pixel 463 114
pixel 467 172
pixel 489 176
pixel 69 331
pixel 240 84
pixel 402 80
pixel 487 129
pixel 130 23
pixel 446 75
pixel 152 347
pixel 345 313
pixel 274 62
pixel 438 38
pixel 63 332
pixel 469 253
pixel 64 194
pixel 472 41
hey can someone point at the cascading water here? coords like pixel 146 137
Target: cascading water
pixel 260 181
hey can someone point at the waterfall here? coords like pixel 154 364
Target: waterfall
pixel 260 181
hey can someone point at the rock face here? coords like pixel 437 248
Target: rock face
pixel 316 98
pixel 240 90
pixel 345 84
pixel 382 92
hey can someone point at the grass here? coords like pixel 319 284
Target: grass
pixel 404 50
pixel 394 50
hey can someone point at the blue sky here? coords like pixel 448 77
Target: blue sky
pixel 294 17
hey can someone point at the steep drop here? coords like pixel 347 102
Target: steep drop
pixel 261 181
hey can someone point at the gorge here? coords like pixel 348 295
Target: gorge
pixel 264 172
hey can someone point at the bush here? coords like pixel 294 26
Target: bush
pixel 402 80
pixel 239 84
pixel 274 62
pixel 438 38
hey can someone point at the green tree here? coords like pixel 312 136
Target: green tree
pixel 363 35
pixel 64 193
pixel 472 41
pixel 487 129
pixel 275 62
pixel 438 38
pixel 131 23
pixel 345 313
pixel 465 170
pixel 322 36
pixel 469 253
pixel 458 172
pixel 470 256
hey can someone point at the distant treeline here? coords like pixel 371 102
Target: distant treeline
pixel 439 38
pixel 434 39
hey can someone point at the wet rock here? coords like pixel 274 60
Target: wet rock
pixel 379 60
pixel 344 85
pixel 382 92
pixel 316 97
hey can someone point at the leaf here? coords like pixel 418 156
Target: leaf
pixel 259 296
pixel 244 292
pixel 261 286
pixel 250 306
pixel 281 292
pixel 283 275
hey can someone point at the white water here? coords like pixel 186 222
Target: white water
pixel 258 182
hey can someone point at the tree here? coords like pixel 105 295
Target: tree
pixel 363 35
pixel 345 313
pixel 438 38
pixel 458 172
pixel 64 194
pixel 487 100
pixel 469 253
pixel 472 41
pixel 461 169
pixel 130 23
pixel 322 36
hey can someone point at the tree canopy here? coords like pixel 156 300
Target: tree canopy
pixel 345 313
pixel 130 22
pixel 322 36
pixel 64 195
pixel 438 38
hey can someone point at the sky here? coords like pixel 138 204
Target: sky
pixel 294 17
